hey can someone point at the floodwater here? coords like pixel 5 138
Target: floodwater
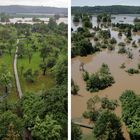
pixel 29 20
pixel 121 18
pixel 123 81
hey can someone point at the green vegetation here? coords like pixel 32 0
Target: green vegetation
pixel 100 80
pixel 115 9
pixel 74 88
pixel 122 66
pixel 76 18
pixel 109 38
pixel 76 133
pixel 104 18
pixel 106 124
pixel 132 71
pixel 4 17
pixel 130 113
pixel 42 68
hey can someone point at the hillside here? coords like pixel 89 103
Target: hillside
pixel 115 9
pixel 32 9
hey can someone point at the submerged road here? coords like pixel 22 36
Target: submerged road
pixel 16 73
pixel 83 125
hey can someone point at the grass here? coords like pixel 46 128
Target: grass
pixel 41 82
pixel 8 61
pixel 88 137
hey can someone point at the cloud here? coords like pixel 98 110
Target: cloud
pixel 55 3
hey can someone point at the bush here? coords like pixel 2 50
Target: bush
pixel 122 50
pixel 110 47
pixel 100 79
pixel 121 44
pixel 108 104
pixel 139 66
pixel 85 75
pixel 29 76
pixel 122 66
pixel 132 71
pixel 108 127
pixel 74 88
pixel 113 41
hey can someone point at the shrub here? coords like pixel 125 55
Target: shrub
pixel 139 66
pixel 100 79
pixel 122 66
pixel 74 88
pixel 28 75
pixel 110 47
pixel 113 41
pixel 121 44
pixel 122 49
pixel 85 75
pixel 132 71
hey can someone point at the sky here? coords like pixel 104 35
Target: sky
pixel 105 2
pixel 52 3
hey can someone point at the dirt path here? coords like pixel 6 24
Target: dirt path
pixel 16 73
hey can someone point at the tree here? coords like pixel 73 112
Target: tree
pixel 130 113
pixel 44 51
pixel 76 133
pixel 4 17
pixel 29 54
pixel 60 70
pixel 74 88
pixel 11 134
pixel 100 79
pixel 108 127
pixel 76 18
pixel 52 24
pixel 43 67
pixel 7 118
pixel 47 129
pixel 56 104
pixel 6 78
pixel 56 17
pixel 28 75
pixel 21 49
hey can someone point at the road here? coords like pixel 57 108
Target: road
pixel 16 73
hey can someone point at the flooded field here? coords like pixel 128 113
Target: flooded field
pixel 29 20
pixel 92 63
pixel 122 18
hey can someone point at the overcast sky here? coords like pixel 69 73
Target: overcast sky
pixel 55 3
pixel 105 2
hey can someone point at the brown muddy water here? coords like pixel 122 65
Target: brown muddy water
pixel 123 81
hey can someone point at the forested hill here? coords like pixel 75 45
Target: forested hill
pixel 32 9
pixel 115 9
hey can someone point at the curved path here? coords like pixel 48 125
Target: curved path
pixel 16 73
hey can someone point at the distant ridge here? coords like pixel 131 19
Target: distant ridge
pixel 114 9
pixel 11 9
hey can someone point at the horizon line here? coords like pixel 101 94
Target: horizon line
pixel 104 5
pixel 33 5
